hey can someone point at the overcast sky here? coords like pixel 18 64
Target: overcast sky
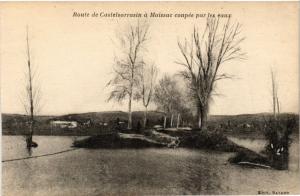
pixel 74 56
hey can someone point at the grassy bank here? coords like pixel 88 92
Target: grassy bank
pixel 206 139
pixel 172 138
pixel 164 138
pixel 249 158
pixel 116 140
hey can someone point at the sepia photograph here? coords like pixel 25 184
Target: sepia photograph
pixel 149 98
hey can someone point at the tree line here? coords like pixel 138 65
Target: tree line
pixel 136 77
pixel 202 55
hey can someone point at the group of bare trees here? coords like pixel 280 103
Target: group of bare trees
pixel 203 55
pixel 171 100
pixel 167 97
pixel 134 77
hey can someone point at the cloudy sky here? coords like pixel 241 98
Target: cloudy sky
pixel 74 56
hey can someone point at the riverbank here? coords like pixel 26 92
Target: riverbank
pixel 211 140
pixel 173 138
pixel 117 140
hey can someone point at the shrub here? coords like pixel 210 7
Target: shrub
pixel 277 133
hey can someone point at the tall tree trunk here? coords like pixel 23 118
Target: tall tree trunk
pixel 202 111
pixel 199 120
pixel 199 114
pixel 31 103
pixel 171 123
pixel 31 109
pixel 278 110
pixel 145 117
pixel 273 93
pixel 178 118
pixel 203 119
pixel 165 121
pixel 129 112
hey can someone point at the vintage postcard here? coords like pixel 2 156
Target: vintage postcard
pixel 149 98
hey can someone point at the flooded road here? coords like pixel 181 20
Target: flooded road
pixel 129 171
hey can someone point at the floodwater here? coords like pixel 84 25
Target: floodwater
pixel 136 172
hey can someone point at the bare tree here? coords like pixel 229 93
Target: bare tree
pixel 128 65
pixel 148 78
pixel 183 109
pixel 32 95
pixel 275 95
pixel 178 120
pixel 203 56
pixel 166 96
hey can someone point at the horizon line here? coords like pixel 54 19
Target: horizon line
pixel 266 113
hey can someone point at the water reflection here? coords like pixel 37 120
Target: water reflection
pixel 203 174
pixel 129 171
pixel 29 150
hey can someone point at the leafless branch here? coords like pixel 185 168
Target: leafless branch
pixel 203 56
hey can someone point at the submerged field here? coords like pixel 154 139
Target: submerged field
pixel 137 171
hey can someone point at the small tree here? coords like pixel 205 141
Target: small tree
pixel 183 110
pixel 203 56
pixel 32 96
pixel 128 64
pixel 277 133
pixel 166 96
pixel 148 77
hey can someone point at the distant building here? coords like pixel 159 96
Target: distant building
pixel 64 124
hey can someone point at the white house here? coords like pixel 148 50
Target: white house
pixel 64 124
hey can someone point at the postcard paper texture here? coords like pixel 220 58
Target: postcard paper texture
pixel 139 98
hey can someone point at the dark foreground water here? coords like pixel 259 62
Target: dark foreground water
pixel 136 172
